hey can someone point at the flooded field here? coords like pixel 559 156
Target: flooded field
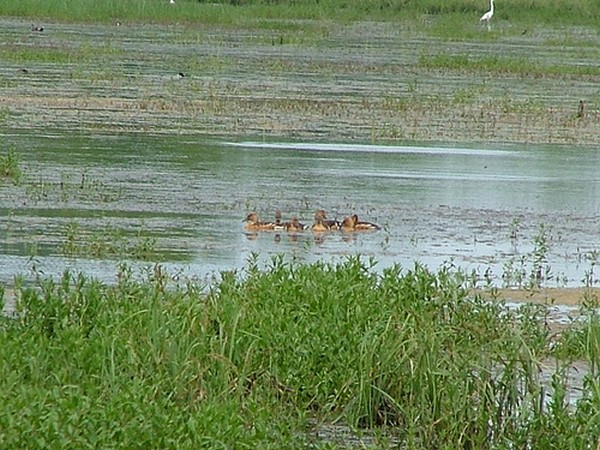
pixel 488 211
pixel 310 81
pixel 151 144
pixel 148 145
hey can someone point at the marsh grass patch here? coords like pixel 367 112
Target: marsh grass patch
pixel 10 166
pixel 110 242
pixel 230 12
pixel 411 351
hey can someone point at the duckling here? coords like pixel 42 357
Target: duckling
pixel 319 226
pixel 352 223
pixel 364 226
pixel 347 224
pixel 322 224
pixel 279 225
pixel 295 225
pixel 254 224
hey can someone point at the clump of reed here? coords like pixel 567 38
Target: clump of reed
pixel 243 362
pixel 10 166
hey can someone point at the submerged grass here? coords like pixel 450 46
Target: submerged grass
pixel 150 363
pixel 505 65
pixel 19 53
pixel 107 243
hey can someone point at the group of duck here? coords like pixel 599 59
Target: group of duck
pixel 321 224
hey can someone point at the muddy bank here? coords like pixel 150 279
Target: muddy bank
pixel 549 296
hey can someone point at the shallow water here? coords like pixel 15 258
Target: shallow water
pixel 477 208
pixel 112 142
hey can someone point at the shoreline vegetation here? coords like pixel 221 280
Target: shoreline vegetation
pixel 227 12
pixel 267 357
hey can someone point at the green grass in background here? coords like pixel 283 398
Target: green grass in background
pixel 233 11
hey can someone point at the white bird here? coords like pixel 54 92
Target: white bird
pixel 172 2
pixel 488 15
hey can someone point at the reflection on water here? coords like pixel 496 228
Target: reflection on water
pixel 479 208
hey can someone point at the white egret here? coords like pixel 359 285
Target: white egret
pixel 488 15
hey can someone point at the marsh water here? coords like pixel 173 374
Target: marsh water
pixel 122 159
pixel 485 210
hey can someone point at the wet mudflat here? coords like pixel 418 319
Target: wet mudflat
pixel 365 82
pixel 126 159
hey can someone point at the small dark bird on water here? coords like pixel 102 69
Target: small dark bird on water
pixel 181 75
pixel 36 28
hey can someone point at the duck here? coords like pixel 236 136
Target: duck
pixel 353 223
pixel 279 225
pixel 36 28
pixel 322 224
pixel 364 226
pixel 254 224
pixel 347 224
pixel 294 225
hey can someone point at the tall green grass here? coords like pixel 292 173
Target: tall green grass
pixel 242 363
pixel 228 11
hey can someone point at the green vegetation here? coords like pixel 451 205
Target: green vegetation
pixel 504 65
pixel 87 53
pixel 82 187
pixel 107 243
pixel 236 11
pixel 10 166
pixel 531 270
pixel 258 358
pixel 583 342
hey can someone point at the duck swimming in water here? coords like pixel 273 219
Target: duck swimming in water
pixel 347 224
pixel 254 224
pixel 279 225
pixel 352 223
pixel 360 225
pixel 294 225
pixel 323 224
